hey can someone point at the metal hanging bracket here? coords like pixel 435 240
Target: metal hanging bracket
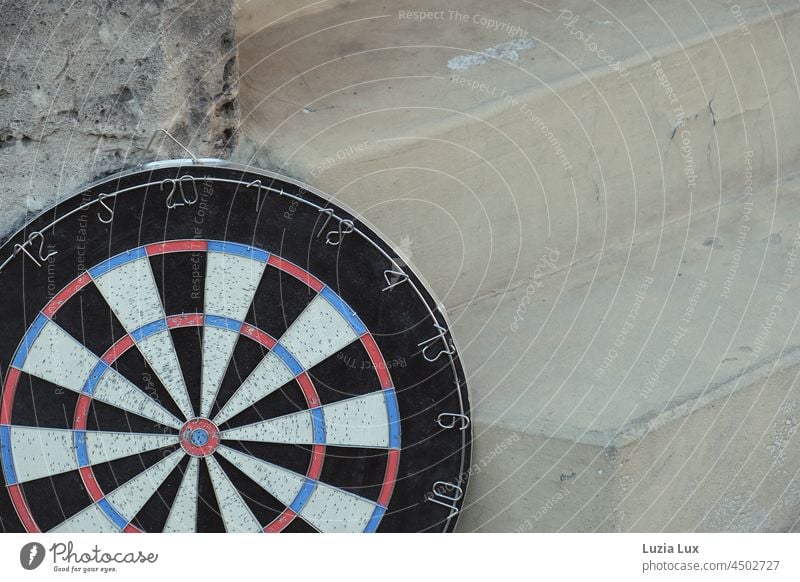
pixel 174 139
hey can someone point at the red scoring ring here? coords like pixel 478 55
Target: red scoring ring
pixel 199 437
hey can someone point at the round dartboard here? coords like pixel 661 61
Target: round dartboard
pixel 199 347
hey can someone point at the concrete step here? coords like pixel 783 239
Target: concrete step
pixel 477 135
pixel 651 388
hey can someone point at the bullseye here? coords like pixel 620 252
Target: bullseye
pixel 199 437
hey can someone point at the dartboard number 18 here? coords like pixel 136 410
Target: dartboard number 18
pixel 200 347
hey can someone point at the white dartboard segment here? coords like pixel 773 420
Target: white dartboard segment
pixel 327 509
pixel 355 422
pixel 218 346
pixel 236 516
pixel 129 498
pixel 130 289
pixel 282 484
pixel 232 277
pixel 358 422
pixel 332 510
pixel 57 357
pixel 270 374
pixel 159 352
pixel 183 513
pixel 297 428
pixel 90 520
pixel 318 333
pixel 102 447
pixel 231 280
pixel 40 452
pixel 114 389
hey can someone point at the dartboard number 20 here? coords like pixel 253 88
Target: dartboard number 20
pixel 199 347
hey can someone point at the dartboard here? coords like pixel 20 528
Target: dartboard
pixel 194 346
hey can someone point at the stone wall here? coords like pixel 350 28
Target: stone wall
pixel 83 86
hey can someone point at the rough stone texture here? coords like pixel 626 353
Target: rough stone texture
pixel 85 84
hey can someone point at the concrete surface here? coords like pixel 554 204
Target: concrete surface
pixel 84 85
pixel 670 404
pixel 603 196
pixel 544 145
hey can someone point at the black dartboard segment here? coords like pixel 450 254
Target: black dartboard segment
pixel 206 347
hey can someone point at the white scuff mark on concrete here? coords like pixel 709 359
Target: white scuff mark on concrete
pixel 33 204
pixel 508 51
pixel 783 431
